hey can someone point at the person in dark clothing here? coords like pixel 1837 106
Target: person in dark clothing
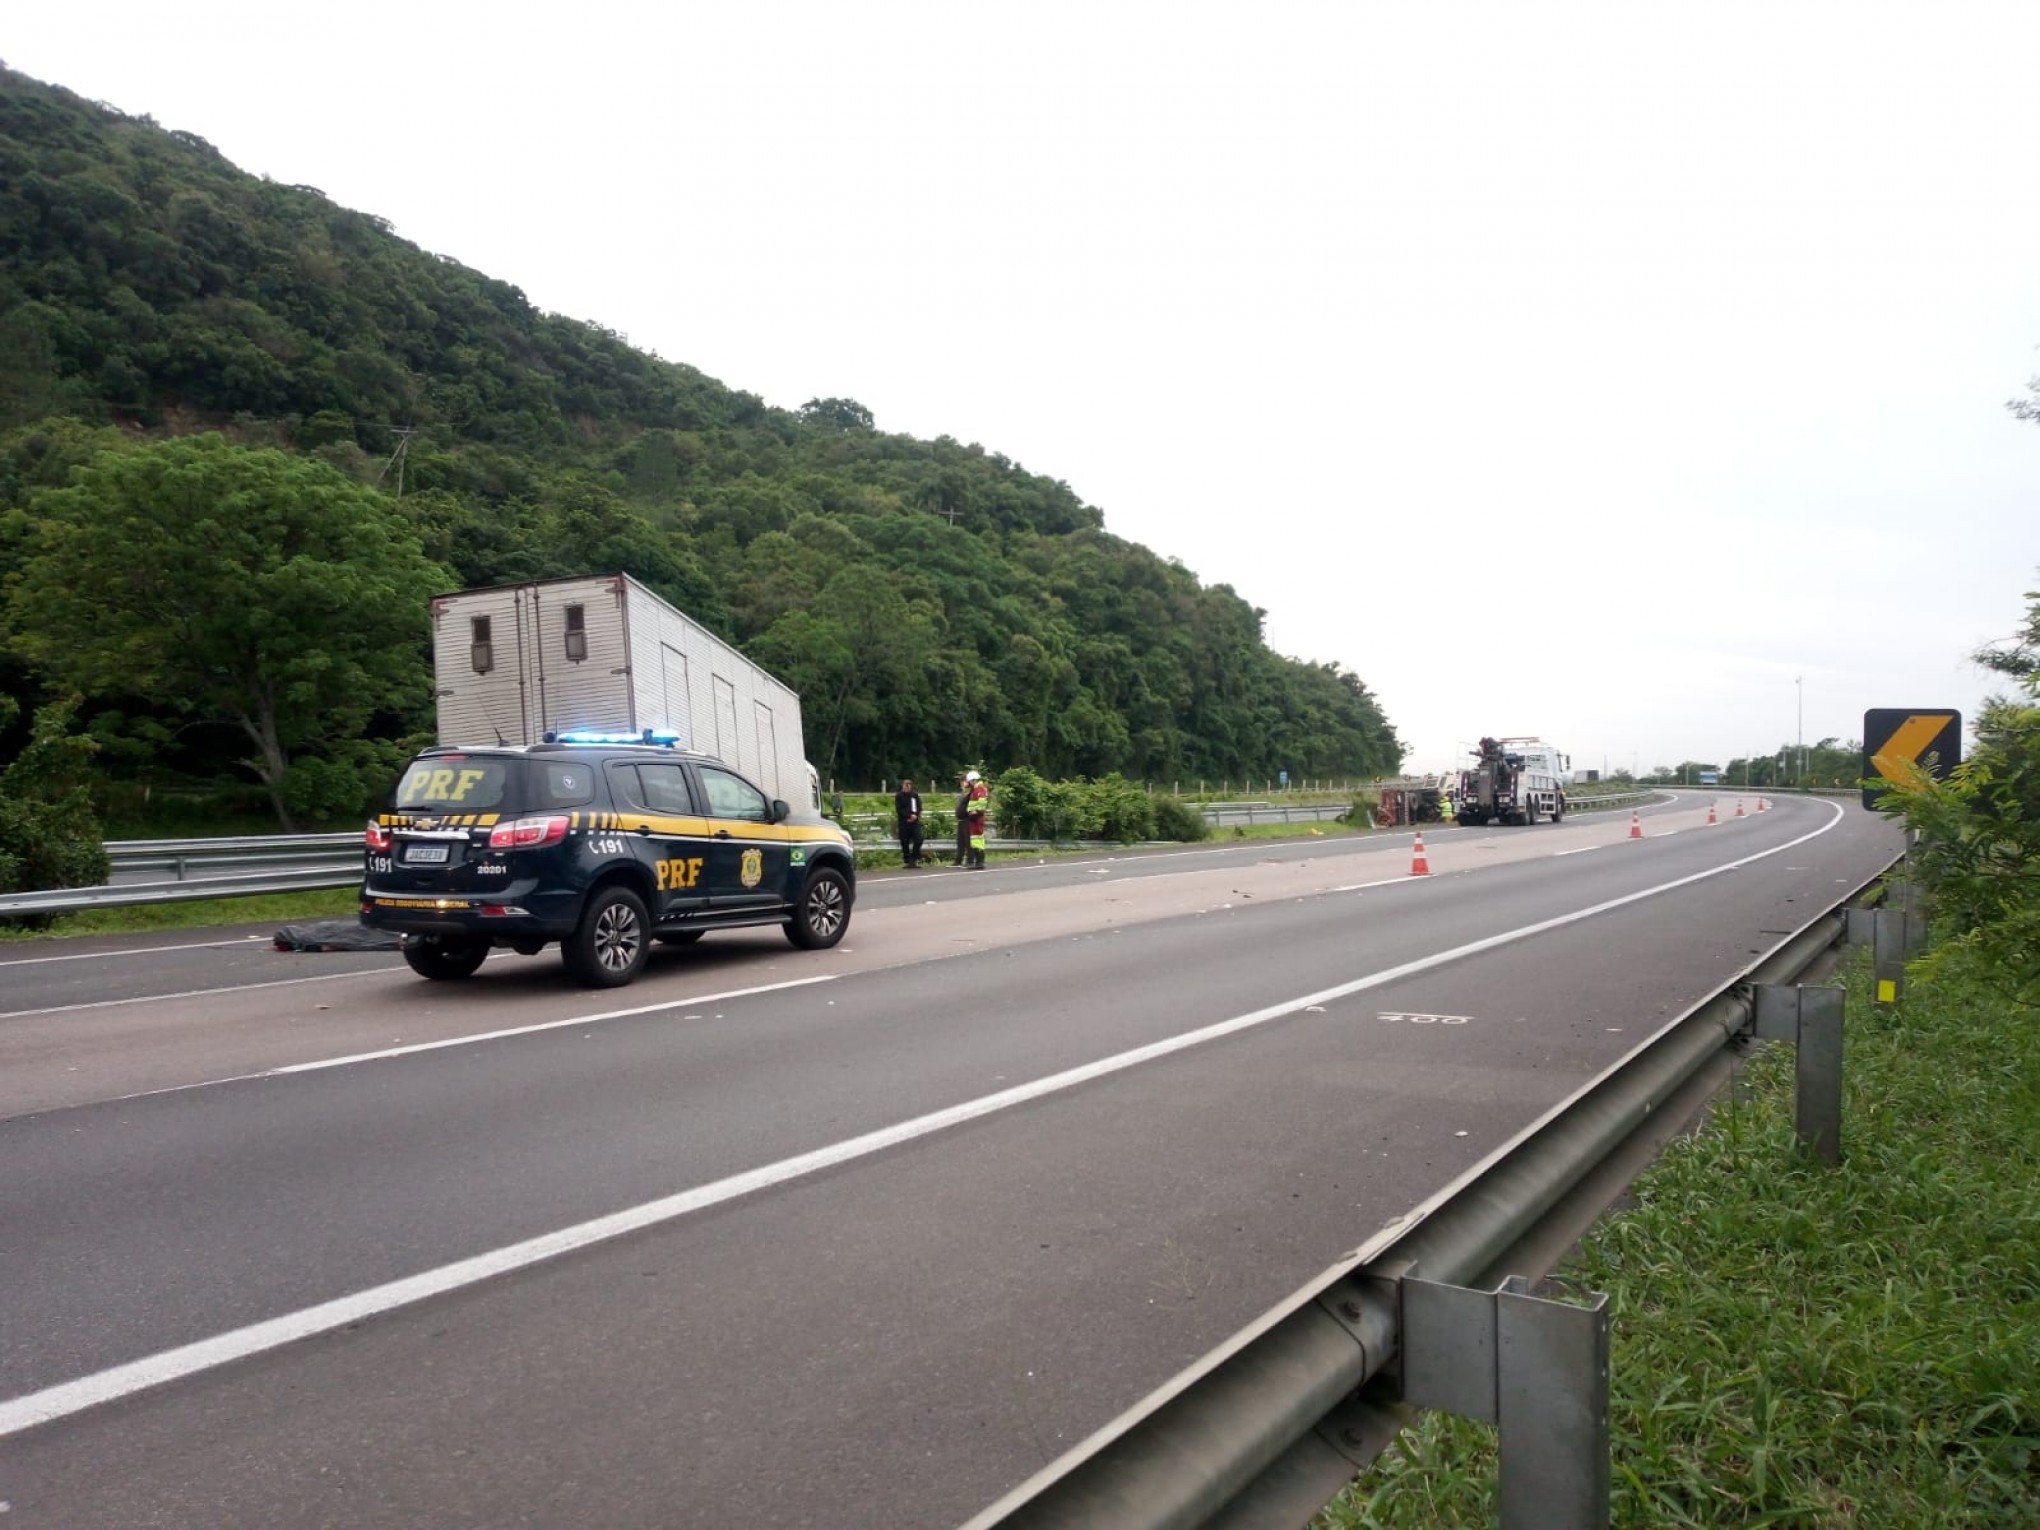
pixel 907 821
pixel 962 820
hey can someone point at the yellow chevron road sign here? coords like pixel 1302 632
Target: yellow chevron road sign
pixel 1904 743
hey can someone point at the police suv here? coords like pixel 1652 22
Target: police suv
pixel 601 842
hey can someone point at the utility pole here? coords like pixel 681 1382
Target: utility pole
pixel 1800 740
pixel 397 457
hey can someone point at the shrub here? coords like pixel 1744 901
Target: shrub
pixel 49 835
pixel 1120 810
pixel 1361 814
pixel 1177 819
pixel 1025 806
pixel 1021 805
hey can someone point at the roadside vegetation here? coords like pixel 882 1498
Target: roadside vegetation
pixel 1836 1347
pixel 244 409
pixel 1797 1345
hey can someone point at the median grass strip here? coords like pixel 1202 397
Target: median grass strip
pixel 1802 1346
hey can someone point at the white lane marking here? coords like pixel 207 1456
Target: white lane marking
pixel 1401 881
pixel 194 993
pixel 1583 849
pixel 527 1030
pixel 65 1398
pixel 318 1065
pixel 94 956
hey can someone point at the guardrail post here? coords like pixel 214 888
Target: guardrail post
pixel 1535 1368
pixel 1811 1019
pixel 1894 932
pixel 1899 932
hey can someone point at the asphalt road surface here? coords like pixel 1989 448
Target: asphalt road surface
pixel 859 1238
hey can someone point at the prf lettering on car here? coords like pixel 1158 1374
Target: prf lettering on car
pixel 439 785
pixel 679 873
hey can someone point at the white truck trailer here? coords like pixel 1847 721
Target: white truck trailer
pixel 601 653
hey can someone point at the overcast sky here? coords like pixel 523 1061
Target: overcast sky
pixel 1598 372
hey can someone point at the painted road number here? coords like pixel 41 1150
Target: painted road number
pixel 1397 1014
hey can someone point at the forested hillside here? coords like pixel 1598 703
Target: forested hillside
pixel 934 603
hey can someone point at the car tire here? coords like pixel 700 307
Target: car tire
pixel 608 948
pixel 681 938
pixel 445 960
pixel 822 911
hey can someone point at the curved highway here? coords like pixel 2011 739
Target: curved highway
pixel 856 1237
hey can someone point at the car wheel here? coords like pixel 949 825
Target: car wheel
pixel 608 949
pixel 444 959
pixel 822 912
pixel 683 938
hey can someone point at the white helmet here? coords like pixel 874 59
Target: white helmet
pixel 971 775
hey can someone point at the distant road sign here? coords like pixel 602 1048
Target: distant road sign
pixel 1900 742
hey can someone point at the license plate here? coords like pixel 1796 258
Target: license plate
pixel 424 855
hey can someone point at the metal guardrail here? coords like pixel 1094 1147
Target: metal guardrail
pixel 184 857
pixel 70 900
pixel 1271 1425
pixel 252 864
pixel 228 867
pixel 1602 800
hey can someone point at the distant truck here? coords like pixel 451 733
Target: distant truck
pixel 1513 780
pixel 601 654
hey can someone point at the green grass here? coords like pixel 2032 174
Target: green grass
pixel 1812 1347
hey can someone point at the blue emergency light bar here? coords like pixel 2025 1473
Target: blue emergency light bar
pixel 667 736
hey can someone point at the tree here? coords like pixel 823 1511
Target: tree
pixel 860 645
pixel 1979 830
pixel 247 586
pixel 836 414
pixel 49 836
pixel 149 287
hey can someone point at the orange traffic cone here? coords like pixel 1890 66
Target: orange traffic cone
pixel 1760 804
pixel 1710 812
pixel 1738 807
pixel 1419 867
pixel 1635 825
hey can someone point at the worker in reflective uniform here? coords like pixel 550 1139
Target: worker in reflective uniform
pixel 1445 809
pixel 977 803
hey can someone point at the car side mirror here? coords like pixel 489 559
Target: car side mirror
pixel 779 811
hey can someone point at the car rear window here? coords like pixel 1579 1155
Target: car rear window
pixel 481 783
pixel 453 783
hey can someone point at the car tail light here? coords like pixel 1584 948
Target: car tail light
pixel 378 839
pixel 528 833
